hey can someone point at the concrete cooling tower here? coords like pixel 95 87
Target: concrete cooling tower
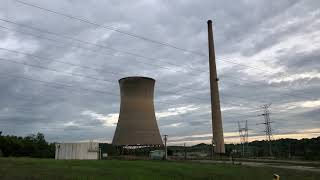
pixel 137 123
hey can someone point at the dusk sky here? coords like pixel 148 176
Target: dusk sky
pixel 60 62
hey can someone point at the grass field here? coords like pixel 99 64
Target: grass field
pixel 26 168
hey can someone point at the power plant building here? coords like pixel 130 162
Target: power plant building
pixel 137 123
pixel 83 150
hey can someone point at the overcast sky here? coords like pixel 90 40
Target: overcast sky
pixel 64 83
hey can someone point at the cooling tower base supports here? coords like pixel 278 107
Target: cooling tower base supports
pixel 137 150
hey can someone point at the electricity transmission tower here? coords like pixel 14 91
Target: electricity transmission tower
pixel 243 133
pixel 267 123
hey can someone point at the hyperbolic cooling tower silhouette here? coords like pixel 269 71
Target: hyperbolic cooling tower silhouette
pixel 137 123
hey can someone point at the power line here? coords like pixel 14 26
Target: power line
pixel 94 44
pixel 54 40
pixel 201 98
pixel 237 115
pixel 62 62
pixel 54 70
pixel 143 62
pixel 85 76
pixel 262 69
pixel 97 69
pixel 79 75
pixel 62 85
pixel 111 28
pixel 90 77
pixel 84 67
pixel 238 104
pixel 240 115
pixel 259 83
pixel 136 36
pixel 282 93
pixel 77 40
pixel 30 100
pixel 239 97
pixel 72 64
pixel 27 110
pixel 41 95
pixel 57 85
pixel 243 134
pixel 125 52
pixel 267 123
pixel 263 61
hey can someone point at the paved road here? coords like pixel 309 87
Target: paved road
pixel 266 164
pixel 283 166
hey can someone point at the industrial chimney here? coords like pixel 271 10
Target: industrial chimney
pixel 137 123
pixel 217 128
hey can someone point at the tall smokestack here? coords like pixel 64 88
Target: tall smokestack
pixel 137 123
pixel 217 129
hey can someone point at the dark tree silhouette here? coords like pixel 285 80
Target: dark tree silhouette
pixel 33 145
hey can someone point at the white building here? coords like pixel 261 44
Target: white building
pixel 84 150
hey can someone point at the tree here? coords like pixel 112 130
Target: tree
pixel 33 145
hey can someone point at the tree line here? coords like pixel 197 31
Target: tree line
pixel 307 149
pixel 33 145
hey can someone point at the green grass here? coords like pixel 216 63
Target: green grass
pixel 27 168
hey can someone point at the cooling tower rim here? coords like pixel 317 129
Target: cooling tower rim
pixel 136 77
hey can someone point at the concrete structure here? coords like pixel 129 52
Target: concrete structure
pixel 86 150
pixel 217 130
pixel 137 123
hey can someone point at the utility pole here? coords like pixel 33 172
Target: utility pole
pixel 267 123
pixel 241 138
pixel 212 148
pixel 247 138
pixel 217 129
pixel 165 146
pixel 243 134
pixel 185 151
pixel 289 150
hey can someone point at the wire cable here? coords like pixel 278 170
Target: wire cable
pixel 110 28
pixel 97 45
pixel 8 21
pixel 85 76
pixel 70 45
pixel 136 36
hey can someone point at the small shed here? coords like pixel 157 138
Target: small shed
pixel 157 154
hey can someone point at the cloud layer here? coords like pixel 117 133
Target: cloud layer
pixel 65 83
